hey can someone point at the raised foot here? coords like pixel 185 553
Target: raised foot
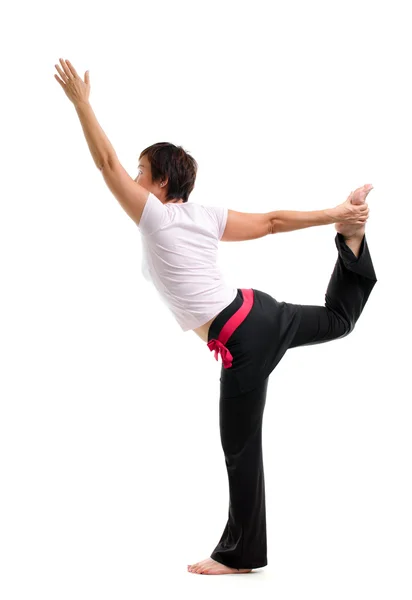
pixel 212 567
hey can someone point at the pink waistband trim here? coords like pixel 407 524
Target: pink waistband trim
pixel 229 327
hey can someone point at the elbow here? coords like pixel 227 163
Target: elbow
pixel 104 165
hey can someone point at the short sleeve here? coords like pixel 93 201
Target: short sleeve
pixel 218 215
pixel 154 215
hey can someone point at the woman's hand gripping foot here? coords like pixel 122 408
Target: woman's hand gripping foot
pixel 355 213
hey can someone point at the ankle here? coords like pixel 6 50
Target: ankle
pixel 354 242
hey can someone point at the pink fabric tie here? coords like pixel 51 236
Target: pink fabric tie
pixel 229 327
pixel 224 352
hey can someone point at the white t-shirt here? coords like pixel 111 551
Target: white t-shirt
pixel 180 243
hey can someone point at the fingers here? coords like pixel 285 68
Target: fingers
pixel 71 68
pixel 362 214
pixel 361 209
pixel 65 67
pixel 62 75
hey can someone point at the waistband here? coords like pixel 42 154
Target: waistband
pixel 228 325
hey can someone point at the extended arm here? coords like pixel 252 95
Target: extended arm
pixel 251 226
pixel 290 220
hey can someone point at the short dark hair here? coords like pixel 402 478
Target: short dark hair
pixel 168 160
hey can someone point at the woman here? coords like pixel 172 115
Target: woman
pixel 249 328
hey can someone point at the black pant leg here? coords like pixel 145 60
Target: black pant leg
pixel 243 542
pixel 350 285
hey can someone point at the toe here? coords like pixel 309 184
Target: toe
pixel 367 188
pixel 201 566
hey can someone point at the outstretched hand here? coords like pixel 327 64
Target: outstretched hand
pixel 75 88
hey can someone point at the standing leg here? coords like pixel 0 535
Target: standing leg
pixel 242 546
pixel 243 542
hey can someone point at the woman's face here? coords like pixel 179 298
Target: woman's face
pixel 144 178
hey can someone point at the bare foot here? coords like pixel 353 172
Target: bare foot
pixel 211 567
pixel 355 231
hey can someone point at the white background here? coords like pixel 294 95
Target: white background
pixel 112 475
